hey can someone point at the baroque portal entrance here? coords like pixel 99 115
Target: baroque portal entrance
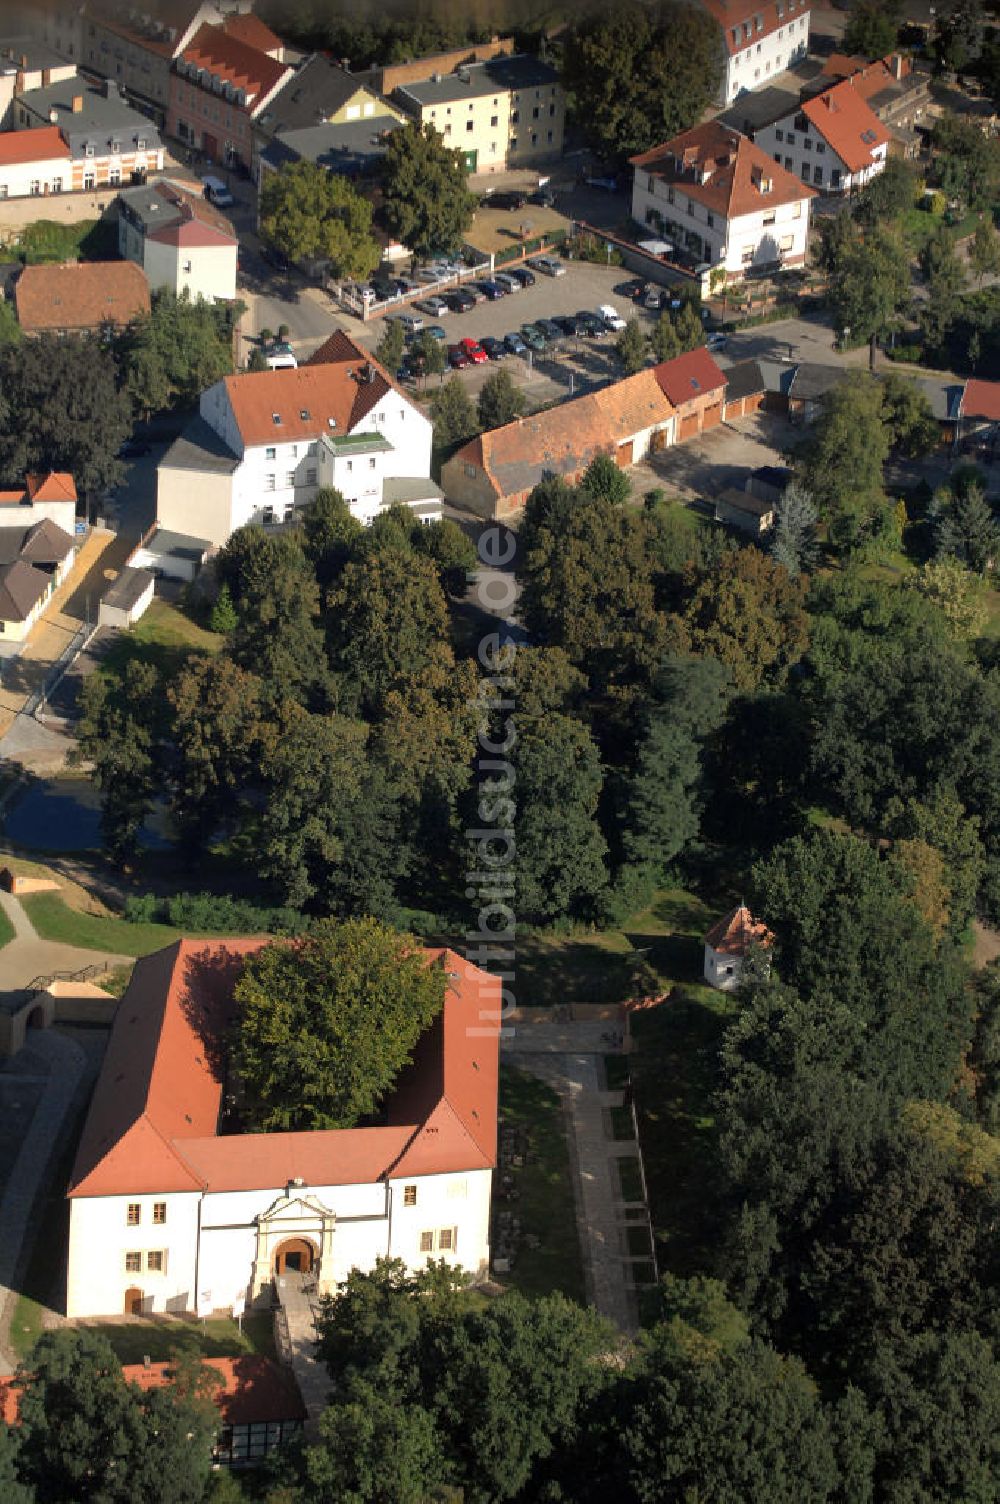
pixel 294 1253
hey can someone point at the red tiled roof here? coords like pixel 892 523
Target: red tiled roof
pixel 689 376
pixel 867 79
pixel 847 124
pixel 717 166
pixel 57 485
pixel 254 1389
pixel 80 295
pixel 734 934
pixel 45 144
pixel 153 1119
pixel 305 400
pixel 190 219
pixel 252 30
pixel 227 57
pixel 981 399
pixel 731 14
pixel 191 232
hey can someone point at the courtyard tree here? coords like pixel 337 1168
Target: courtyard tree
pixel 427 204
pixel 392 342
pixel 183 347
pixel 840 463
pixel 872 28
pixel 500 400
pixel 327 1023
pixel 632 348
pixel 314 215
pixel 870 286
pixel 944 275
pixel 454 416
pixel 120 733
pixel 431 352
pixel 794 543
pixel 984 252
pixel 607 480
pixel 750 616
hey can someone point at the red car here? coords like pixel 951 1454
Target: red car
pixel 474 351
pixel 457 358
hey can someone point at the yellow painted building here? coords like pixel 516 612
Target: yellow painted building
pixel 505 113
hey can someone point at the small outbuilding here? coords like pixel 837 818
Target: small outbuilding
pixel 127 598
pixel 729 942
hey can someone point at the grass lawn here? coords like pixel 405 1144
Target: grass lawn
pixel 918 227
pixel 55 920
pixel 601 968
pixel 545 1203
pixel 217 1337
pixel 674 1072
pixel 164 636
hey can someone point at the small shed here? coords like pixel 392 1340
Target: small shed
pixel 745 389
pixel 127 599
pixel 729 942
pixel 769 482
pixel 749 513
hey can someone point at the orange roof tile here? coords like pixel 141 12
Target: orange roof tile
pixel 304 401
pixel 717 166
pixel 227 57
pixel 688 376
pixel 254 1389
pixel 981 399
pixel 251 29
pixel 849 127
pixel 80 295
pixel 154 1117
pixel 45 144
pixel 734 934
pixel 57 485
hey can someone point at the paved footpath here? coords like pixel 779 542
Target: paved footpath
pixel 28 956
pixel 567 1056
pixel 65 1062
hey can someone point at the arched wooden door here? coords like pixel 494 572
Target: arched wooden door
pixel 133 1301
pixel 294 1253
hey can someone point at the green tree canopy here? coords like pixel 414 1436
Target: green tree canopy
pixel 749 615
pixel 314 215
pixel 327 1023
pixel 180 350
pixel 984 252
pixel 607 480
pixel 872 28
pixel 500 400
pixel 966 162
pixel 454 415
pixel 669 53
pixel 841 461
pixel 870 285
pixel 632 348
pixel 427 204
pixel 120 733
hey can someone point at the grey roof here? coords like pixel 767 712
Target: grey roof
pixel 164 542
pixel 105 115
pixel 944 398
pixel 318 89
pixel 778 375
pixel 812 381
pixel 744 501
pixel 21 587
pixel 773 475
pixel 46 543
pixel 200 448
pixel 38 54
pixel 129 588
pixel 476 80
pixel 408 489
pixel 344 149
pixel 744 380
pixel 752 110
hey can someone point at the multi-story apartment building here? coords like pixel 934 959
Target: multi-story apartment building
pixel 759 40
pixel 26 63
pixel 109 142
pixel 320 93
pixel 504 113
pixel 724 200
pixel 219 86
pixel 179 240
pixel 834 140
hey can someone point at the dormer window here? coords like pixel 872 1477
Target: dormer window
pixel 88 150
pixel 116 146
pixel 276 419
pixel 304 414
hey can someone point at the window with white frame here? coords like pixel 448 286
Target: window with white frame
pixel 133 1262
pixel 156 1261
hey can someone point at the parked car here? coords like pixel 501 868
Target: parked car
pixel 550 329
pixel 533 337
pixel 544 197
pixel 611 317
pixel 508 282
pixel 435 331
pixel 716 342
pixel 429 274
pixel 434 307
pixel 633 289
pixel 475 292
pixel 550 266
pixel 495 348
pixel 460 301
pixel 492 291
pixel 412 322
pixel 523 275
pixel 447 268
pixel 652 298
pixel 591 325
pixel 568 324
pixel 457 358
pixel 515 344
pixel 507 200
pixel 474 351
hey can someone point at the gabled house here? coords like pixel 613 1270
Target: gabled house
pixel 758 40
pixel 834 140
pixel 219 86
pixel 49 497
pixel 319 95
pixel 494 474
pixel 720 196
pixel 34 163
pixel 892 88
pixel 266 441
pixel 78 297
pixel 27 63
pixel 109 142
pixel 173 1208
pixel 34 561
pixel 695 386
pixel 181 242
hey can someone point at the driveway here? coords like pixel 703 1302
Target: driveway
pixel 703 466
pixel 28 956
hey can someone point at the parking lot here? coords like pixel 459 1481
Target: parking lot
pixel 576 364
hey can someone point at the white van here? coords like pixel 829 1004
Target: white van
pixel 217 193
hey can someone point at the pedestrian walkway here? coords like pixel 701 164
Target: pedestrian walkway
pixel 547 1051
pixel 310 1374
pixel 28 956
pixel 66 1063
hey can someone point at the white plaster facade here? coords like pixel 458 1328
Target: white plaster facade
pixel 774 233
pixel 203 271
pixel 722 969
pixel 800 147
pixel 47 173
pixel 761 54
pixel 211 1249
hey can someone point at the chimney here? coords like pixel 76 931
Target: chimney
pixel 77 104
pixel 897 65
pixel 24 61
pixel 53 116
